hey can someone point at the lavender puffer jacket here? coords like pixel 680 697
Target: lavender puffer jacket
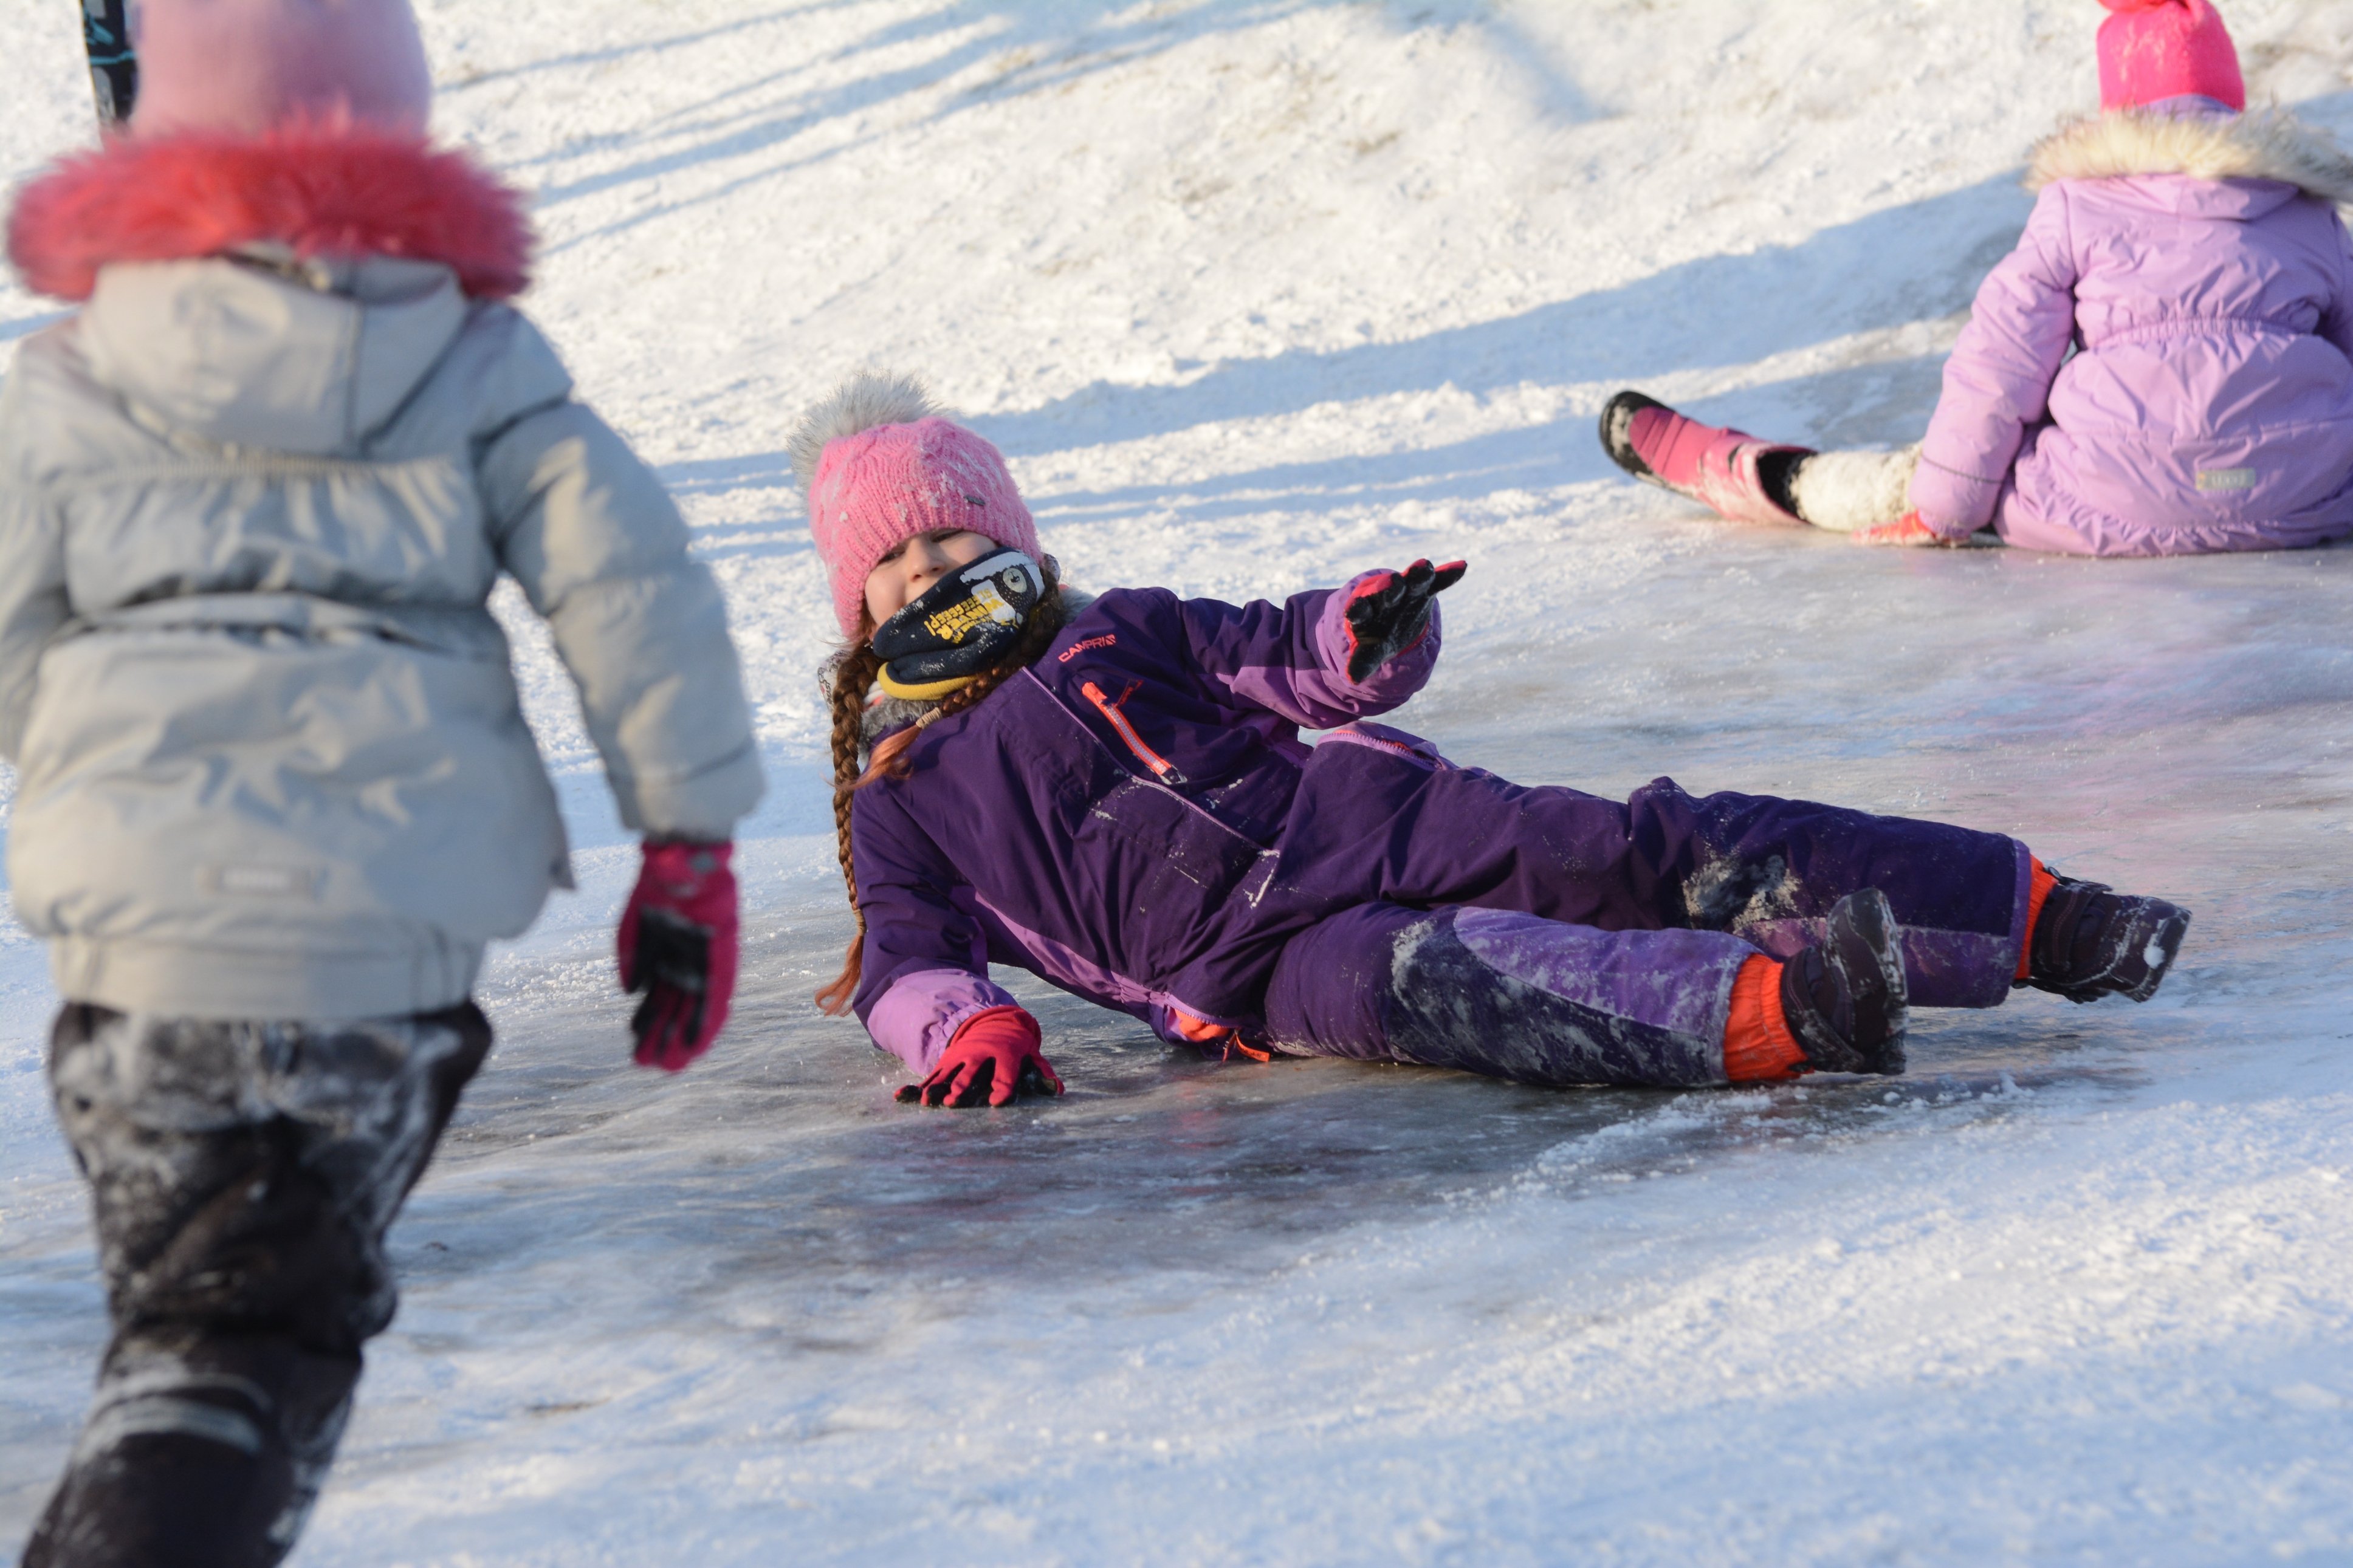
pixel 2192 262
pixel 1131 793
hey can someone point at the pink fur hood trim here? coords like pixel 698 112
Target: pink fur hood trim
pixel 323 190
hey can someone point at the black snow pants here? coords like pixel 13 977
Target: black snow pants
pixel 244 1175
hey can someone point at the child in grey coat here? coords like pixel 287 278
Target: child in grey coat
pixel 275 790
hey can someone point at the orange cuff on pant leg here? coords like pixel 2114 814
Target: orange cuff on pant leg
pixel 2039 883
pixel 1757 1044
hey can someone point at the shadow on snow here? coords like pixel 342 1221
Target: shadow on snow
pixel 1021 48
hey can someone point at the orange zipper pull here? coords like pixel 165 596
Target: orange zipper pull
pixel 1162 768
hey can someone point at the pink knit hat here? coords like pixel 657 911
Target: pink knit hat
pixel 882 466
pixel 244 66
pixel 2152 51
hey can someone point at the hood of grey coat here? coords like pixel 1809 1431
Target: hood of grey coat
pixel 259 350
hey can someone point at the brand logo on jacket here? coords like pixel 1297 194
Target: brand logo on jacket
pixel 2226 479
pixel 261 881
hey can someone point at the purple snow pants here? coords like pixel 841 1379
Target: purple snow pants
pixel 1551 936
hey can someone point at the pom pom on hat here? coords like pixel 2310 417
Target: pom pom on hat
pixel 244 66
pixel 2152 51
pixel 881 465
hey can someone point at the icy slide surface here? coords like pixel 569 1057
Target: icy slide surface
pixel 1256 294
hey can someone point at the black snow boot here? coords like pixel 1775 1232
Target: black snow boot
pixel 2091 942
pixel 1845 1000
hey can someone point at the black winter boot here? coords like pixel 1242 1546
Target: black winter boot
pixel 1845 1000
pixel 2091 942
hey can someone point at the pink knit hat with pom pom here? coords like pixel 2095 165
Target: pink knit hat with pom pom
pixel 2152 51
pixel 244 66
pixel 881 465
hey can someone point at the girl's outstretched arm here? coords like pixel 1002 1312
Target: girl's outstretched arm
pixel 1324 658
pixel 923 990
pixel 1998 382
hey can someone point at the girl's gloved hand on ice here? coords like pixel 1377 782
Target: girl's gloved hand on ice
pixel 993 1057
pixel 1389 611
pixel 677 944
pixel 1907 529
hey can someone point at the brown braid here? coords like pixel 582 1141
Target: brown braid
pixel 852 675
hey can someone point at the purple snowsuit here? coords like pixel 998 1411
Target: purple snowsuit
pixel 2208 403
pixel 1135 819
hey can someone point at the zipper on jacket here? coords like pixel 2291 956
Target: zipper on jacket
pixel 1162 768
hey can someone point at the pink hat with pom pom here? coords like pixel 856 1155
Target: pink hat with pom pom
pixel 882 466
pixel 2152 51
pixel 244 66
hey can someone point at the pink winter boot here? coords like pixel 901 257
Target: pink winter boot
pixel 1718 469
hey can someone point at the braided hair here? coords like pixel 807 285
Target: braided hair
pixel 849 678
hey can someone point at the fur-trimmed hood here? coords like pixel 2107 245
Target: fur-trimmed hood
pixel 2265 144
pixel 319 191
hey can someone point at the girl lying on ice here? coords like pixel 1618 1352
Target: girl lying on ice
pixel 1112 792
pixel 2164 366
pixel 274 789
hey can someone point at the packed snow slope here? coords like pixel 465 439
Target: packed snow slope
pixel 1255 295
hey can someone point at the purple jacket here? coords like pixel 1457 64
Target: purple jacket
pixel 2192 263
pixel 1114 819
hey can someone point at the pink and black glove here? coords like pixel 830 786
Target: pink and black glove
pixel 678 945
pixel 1388 612
pixel 993 1057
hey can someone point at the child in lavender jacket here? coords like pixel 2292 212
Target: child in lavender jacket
pixel 1112 793
pixel 2164 366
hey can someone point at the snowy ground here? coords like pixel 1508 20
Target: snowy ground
pixel 1256 294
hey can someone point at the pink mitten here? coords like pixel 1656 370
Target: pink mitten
pixel 1905 530
pixel 995 1053
pixel 677 944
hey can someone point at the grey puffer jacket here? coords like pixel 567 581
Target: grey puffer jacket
pixel 271 760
